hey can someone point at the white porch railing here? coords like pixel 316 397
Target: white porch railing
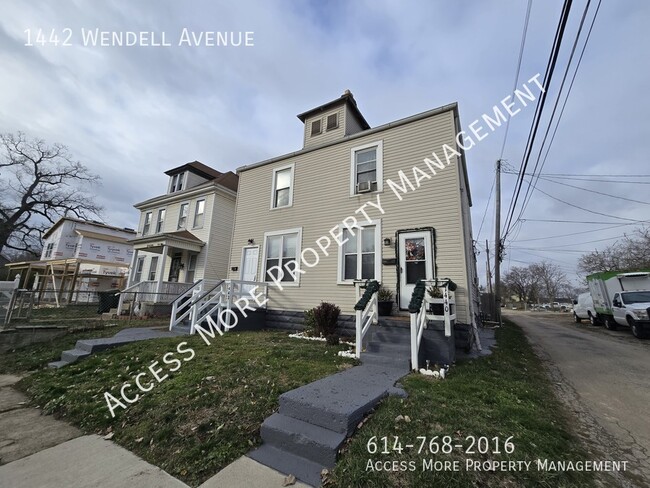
pixel 418 309
pixel 147 291
pixel 8 297
pixel 182 305
pixel 200 304
pixel 366 312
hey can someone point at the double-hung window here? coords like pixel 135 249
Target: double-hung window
pixel 153 267
pixel 282 256
pixel 139 265
pixel 48 250
pixel 161 221
pixel 282 187
pixel 182 216
pixel 366 168
pixel 199 212
pixel 147 224
pixel 177 182
pixel 360 255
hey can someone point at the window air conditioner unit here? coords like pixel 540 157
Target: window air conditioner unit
pixel 364 186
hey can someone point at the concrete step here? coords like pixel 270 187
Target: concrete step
pixel 389 347
pixel 57 364
pixel 337 402
pixel 302 439
pixel 288 463
pixel 73 355
pixel 397 362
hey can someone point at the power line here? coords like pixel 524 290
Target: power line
pixel 530 189
pixel 591 231
pixel 559 221
pixel 539 108
pixel 487 206
pixel 594 191
pixel 586 209
pixel 521 53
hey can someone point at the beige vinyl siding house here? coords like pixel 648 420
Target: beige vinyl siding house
pixel 324 192
pixel 184 235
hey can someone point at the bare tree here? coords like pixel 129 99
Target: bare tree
pixel 551 279
pixel 38 185
pixel 521 282
pixel 630 253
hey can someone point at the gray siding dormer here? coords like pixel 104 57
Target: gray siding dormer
pixel 331 121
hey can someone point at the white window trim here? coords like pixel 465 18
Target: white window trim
pixel 378 253
pixel 144 223
pixel 297 230
pixel 162 226
pixel 187 218
pixel 292 167
pixel 379 166
pixel 337 121
pixel 173 182
pixel 196 207
pixel 153 268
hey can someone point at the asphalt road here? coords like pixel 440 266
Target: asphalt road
pixel 607 373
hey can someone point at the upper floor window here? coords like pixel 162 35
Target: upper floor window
pixel 282 256
pixel 177 182
pixel 282 187
pixel 315 127
pixel 366 169
pixel 360 255
pixel 48 250
pixel 199 212
pixel 332 121
pixel 147 224
pixel 161 221
pixel 182 216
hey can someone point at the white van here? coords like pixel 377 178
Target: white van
pixel 583 308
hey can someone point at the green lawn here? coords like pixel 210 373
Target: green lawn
pixel 505 394
pixel 201 418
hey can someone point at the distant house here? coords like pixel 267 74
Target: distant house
pixel 184 234
pixel 292 206
pixel 79 257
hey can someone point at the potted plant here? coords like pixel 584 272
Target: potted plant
pixel 385 301
pixel 436 305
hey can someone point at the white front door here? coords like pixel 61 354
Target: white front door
pixel 415 263
pixel 249 259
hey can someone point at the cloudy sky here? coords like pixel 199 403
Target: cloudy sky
pixel 130 113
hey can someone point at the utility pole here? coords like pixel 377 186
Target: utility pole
pixel 488 270
pixel 497 243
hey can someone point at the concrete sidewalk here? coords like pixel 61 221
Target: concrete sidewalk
pixel 38 451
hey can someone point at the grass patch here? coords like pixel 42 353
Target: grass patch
pixel 201 418
pixel 505 394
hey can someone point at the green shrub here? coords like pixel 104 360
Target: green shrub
pixel 332 340
pixel 326 316
pixel 310 323
pixel 384 295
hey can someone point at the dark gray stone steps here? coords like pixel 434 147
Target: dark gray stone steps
pixel 73 355
pixel 333 402
pixel 86 347
pixel 302 439
pixel 305 470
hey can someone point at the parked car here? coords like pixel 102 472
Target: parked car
pixel 622 299
pixel 583 309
